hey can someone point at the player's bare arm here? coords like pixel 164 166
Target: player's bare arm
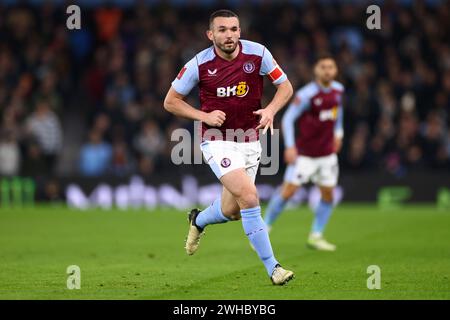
pixel 337 144
pixel 290 155
pixel 175 104
pixel 281 97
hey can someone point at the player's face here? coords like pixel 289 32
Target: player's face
pixel 325 70
pixel 225 33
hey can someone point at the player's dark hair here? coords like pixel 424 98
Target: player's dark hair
pixel 323 56
pixel 221 13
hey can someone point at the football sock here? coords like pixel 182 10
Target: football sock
pixel 256 231
pixel 276 205
pixel 211 215
pixel 323 212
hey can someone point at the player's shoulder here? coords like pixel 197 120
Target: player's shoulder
pixel 336 85
pixel 251 47
pixel 308 90
pixel 205 55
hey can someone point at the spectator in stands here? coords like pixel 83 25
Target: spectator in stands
pixel 433 142
pixel 121 162
pixel 33 163
pixel 150 142
pixel 95 156
pixel 124 61
pixel 9 154
pixel 44 126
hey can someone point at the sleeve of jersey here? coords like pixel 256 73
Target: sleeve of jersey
pixel 271 68
pixel 339 125
pixel 187 78
pixel 295 110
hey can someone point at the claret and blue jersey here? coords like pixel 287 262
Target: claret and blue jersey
pixel 317 112
pixel 234 87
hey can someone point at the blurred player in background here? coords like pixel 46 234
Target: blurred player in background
pixel 311 152
pixel 230 78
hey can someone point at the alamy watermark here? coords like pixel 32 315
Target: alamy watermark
pixel 74 278
pixel 186 145
pixel 374 20
pixel 374 280
pixel 73 22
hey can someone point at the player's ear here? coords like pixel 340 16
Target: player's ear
pixel 209 34
pixel 315 69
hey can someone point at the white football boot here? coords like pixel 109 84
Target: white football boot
pixel 281 276
pixel 318 242
pixel 194 234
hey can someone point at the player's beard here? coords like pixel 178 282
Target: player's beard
pixel 326 80
pixel 226 48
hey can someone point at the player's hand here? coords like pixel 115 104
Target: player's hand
pixel 337 144
pixel 215 118
pixel 266 120
pixel 290 155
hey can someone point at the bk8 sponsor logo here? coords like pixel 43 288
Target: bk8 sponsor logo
pixel 330 114
pixel 240 90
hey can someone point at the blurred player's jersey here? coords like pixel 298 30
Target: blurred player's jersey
pixel 234 87
pixel 317 127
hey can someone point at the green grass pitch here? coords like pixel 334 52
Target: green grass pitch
pixel 138 254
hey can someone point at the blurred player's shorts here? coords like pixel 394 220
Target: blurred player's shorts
pixel 323 171
pixel 226 156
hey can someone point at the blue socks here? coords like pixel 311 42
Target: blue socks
pixel 211 215
pixel 254 227
pixel 323 212
pixel 256 231
pixel 276 205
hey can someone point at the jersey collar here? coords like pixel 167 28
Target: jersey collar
pixel 324 89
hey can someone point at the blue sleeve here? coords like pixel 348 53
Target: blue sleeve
pixel 187 78
pixel 270 68
pixel 295 110
pixel 339 125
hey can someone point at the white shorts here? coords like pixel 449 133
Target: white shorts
pixel 323 171
pixel 225 156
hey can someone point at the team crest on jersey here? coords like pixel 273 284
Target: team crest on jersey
pixel 212 73
pixel 318 101
pixel 249 67
pixel 225 162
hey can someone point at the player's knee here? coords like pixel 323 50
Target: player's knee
pixel 248 198
pixel 327 196
pixel 288 191
pixel 232 213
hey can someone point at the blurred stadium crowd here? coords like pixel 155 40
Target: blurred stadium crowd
pixel 113 75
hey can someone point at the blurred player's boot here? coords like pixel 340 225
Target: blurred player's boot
pixel 281 276
pixel 193 237
pixel 268 231
pixel 317 242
